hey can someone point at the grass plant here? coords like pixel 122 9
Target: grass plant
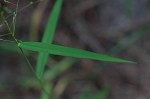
pixel 46 48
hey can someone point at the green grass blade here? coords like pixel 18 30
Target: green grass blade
pixel 67 51
pixel 128 7
pixel 52 22
pixel 8 47
pixel 41 61
pixel 48 36
pixel 49 88
pixel 52 73
pixel 58 69
pixel 130 39
pixel 9 11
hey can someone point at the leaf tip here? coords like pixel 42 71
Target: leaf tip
pixel 130 62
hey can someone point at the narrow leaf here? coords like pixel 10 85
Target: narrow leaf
pixel 58 69
pixel 128 7
pixel 133 37
pixel 48 36
pixel 67 51
pixel 49 88
pixel 52 22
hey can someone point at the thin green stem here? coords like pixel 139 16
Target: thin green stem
pixel 33 72
pixel 25 57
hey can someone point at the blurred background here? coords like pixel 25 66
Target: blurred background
pixel 119 28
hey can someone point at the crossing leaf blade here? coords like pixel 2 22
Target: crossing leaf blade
pixel 48 36
pixel 67 51
pixel 52 22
